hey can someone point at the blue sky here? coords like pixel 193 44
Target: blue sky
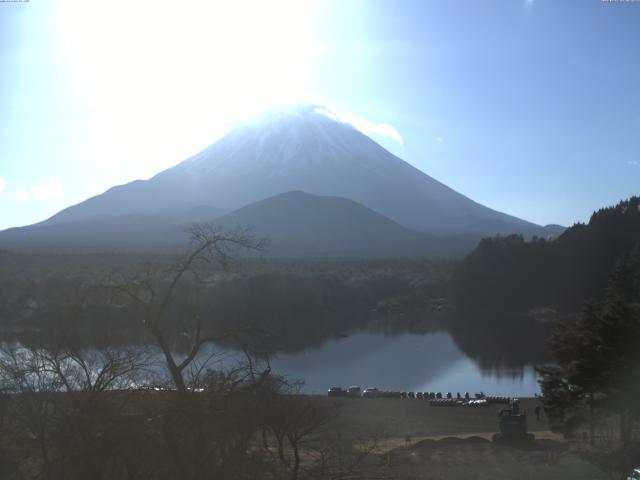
pixel 531 107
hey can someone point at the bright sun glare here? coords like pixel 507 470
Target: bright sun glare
pixel 185 67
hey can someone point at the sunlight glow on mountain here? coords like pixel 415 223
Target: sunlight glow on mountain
pixel 158 62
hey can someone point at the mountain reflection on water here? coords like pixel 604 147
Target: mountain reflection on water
pixel 411 362
pixel 401 361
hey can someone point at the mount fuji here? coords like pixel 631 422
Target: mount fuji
pixel 302 148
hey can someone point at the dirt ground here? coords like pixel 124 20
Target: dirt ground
pixel 389 417
pixel 417 441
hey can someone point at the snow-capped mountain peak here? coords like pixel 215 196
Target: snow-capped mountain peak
pixel 308 148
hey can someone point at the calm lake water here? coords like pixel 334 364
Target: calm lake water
pixel 410 362
pixel 401 362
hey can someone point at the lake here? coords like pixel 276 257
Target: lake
pixel 410 362
pixel 401 362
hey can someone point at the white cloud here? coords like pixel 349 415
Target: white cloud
pixel 48 187
pixel 3 184
pixel 439 139
pixel 22 195
pixel 365 126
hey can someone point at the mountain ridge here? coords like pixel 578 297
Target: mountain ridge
pixel 302 149
pixel 296 224
pixel 314 183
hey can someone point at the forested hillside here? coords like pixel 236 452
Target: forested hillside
pixel 511 275
pixel 511 293
pixel 299 304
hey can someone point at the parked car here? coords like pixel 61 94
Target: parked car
pixel 371 392
pixel 337 392
pixel 353 391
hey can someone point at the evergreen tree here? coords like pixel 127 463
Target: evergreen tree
pixel 509 274
pixel 598 356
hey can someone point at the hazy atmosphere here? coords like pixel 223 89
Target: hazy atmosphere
pixel 529 107
pixel 323 240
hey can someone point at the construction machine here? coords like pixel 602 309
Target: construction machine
pixel 513 426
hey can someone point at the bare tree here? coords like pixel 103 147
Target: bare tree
pixel 338 458
pixel 153 291
pixel 208 433
pixel 296 421
pixel 64 407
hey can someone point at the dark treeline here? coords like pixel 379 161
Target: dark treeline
pixel 509 274
pixel 299 304
pixel 510 292
pixel 592 387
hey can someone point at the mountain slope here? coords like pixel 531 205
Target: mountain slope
pixel 107 232
pixel 298 223
pixel 303 148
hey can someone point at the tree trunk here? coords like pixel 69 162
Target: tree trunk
pixel 176 373
pixel 296 461
pixel 280 439
pixel 592 421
